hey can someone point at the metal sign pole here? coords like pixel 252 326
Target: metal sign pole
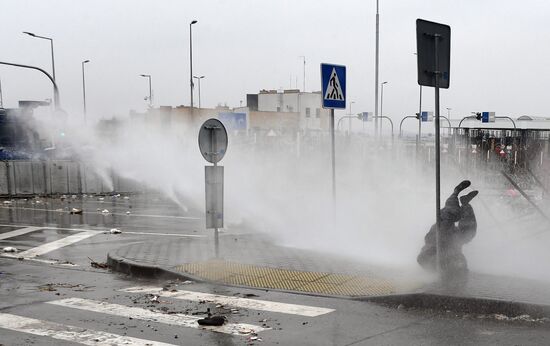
pixel 216 233
pixel 333 153
pixel 418 140
pixel 216 236
pixel 437 158
pixel 213 146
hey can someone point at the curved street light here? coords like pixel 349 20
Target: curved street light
pixel 55 89
pixel 150 90
pixel 345 117
pixel 51 45
pixel 199 81
pixel 381 103
pixel 391 122
pixel 401 123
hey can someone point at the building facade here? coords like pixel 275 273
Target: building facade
pixel 308 106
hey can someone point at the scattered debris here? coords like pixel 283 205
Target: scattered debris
pixel 128 212
pixel 254 338
pixel 234 311
pixel 115 231
pixel 246 331
pixel 47 287
pixel 76 211
pixel 212 321
pixel 105 211
pixel 7 202
pixel 400 307
pixel 10 249
pixel 52 287
pixel 98 265
pixel 126 197
pixel 73 196
pixel 250 295
pixel 520 318
pixel 155 299
pixel 188 282
pixel 101 199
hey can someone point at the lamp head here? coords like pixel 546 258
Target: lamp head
pixel 29 33
pixel 193 22
pixel 86 61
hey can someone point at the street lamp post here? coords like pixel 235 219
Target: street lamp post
pixel 84 88
pixel 350 112
pixel 191 58
pixel 199 80
pixel 376 72
pixel 150 90
pixel 303 57
pixel 381 103
pixel 55 89
pixel 449 112
pixel 51 44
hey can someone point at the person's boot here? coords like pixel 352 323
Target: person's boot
pixel 468 197
pixel 463 185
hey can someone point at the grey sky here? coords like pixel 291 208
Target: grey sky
pixel 499 59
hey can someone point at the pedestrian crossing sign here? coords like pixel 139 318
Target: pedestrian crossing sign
pixel 333 86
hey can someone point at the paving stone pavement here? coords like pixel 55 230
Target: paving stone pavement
pixel 261 251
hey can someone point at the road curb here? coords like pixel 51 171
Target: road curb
pixel 469 305
pixel 126 266
pixel 417 300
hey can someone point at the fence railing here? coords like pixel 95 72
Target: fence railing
pixel 52 177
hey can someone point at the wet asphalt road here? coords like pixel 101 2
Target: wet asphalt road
pixel 28 288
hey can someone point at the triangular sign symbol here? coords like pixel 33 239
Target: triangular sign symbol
pixel 334 89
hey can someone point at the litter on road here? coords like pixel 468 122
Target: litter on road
pixel 212 321
pixel 10 249
pixel 98 265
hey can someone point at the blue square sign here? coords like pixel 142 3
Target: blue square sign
pixel 333 86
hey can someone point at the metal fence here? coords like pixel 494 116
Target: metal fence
pixel 26 177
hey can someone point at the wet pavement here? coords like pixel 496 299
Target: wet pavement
pixel 67 301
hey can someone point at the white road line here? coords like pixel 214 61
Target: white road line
pixel 181 320
pixel 167 234
pixel 254 304
pixel 53 227
pixel 106 230
pixel 79 335
pixel 39 260
pixel 99 213
pixel 18 232
pixel 54 245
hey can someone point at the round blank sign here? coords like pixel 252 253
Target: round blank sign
pixel 213 140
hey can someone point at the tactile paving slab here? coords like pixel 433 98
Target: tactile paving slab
pixel 233 273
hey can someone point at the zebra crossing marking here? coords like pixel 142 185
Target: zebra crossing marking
pixel 54 245
pixel 18 232
pixel 79 335
pixel 181 320
pixel 254 304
